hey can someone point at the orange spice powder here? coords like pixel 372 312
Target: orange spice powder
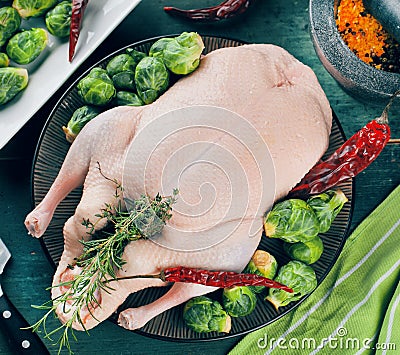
pixel 362 33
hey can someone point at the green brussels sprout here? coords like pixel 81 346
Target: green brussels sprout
pixel 121 70
pixel 182 54
pixel 126 98
pixel 307 252
pixel 327 206
pixel 151 79
pixel 58 20
pixel 96 88
pixel 10 21
pixel 120 63
pixel 204 315
pixel 124 80
pixel 12 81
pixel 296 275
pixel 4 60
pixel 239 301
pixel 79 118
pixel 157 49
pixel 292 221
pixel 264 264
pixel 26 46
pixel 136 55
pixel 33 8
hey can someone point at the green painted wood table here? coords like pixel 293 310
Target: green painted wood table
pixel 284 23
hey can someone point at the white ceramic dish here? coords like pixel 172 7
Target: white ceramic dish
pixel 52 68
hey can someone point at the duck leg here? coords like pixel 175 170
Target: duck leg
pixel 134 318
pixel 103 139
pixel 71 176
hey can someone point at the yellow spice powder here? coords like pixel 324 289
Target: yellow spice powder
pixel 362 33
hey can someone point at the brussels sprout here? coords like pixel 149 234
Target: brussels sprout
pixel 33 8
pixel 26 46
pixel 136 55
pixel 307 252
pixel 124 80
pixel 58 20
pixel 181 54
pixel 157 49
pixel 292 221
pixel 327 206
pixel 4 60
pixel 120 63
pixel 121 70
pixel 96 88
pixel 79 118
pixel 264 264
pixel 204 315
pixel 12 81
pixel 151 79
pixel 239 301
pixel 9 23
pixel 126 98
pixel 296 275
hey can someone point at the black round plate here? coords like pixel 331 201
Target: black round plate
pixel 49 156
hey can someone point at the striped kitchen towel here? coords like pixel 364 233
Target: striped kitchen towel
pixel 356 309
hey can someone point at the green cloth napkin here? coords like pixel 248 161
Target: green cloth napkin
pixel 356 307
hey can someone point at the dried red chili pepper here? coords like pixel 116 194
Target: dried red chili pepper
pixel 78 9
pixel 227 9
pixel 218 278
pixel 211 278
pixel 350 159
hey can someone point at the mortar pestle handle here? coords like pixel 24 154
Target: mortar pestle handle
pixel 387 12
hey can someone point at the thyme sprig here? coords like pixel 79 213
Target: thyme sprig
pixel 129 220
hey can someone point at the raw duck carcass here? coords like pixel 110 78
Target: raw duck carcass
pixel 263 87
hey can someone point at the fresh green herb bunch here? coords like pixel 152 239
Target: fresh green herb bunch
pixel 102 257
pixel 150 215
pixel 144 219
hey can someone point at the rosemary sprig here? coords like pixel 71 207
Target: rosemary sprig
pixel 102 257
